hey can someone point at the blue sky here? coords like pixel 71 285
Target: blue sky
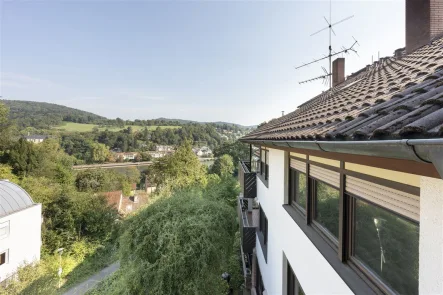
pixel 201 60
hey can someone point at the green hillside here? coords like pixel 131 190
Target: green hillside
pixel 43 115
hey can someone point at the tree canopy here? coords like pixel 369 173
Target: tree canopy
pixel 178 245
pixel 223 166
pixel 183 167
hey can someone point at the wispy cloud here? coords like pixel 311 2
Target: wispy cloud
pixel 138 94
pixel 8 79
pixel 82 98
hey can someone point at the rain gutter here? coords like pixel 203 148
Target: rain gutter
pixel 419 150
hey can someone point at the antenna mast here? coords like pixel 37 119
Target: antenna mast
pixel 331 53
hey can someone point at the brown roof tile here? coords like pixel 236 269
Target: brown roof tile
pixel 392 98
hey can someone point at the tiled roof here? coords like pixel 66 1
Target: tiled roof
pixel 113 198
pixel 390 99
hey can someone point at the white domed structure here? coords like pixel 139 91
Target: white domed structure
pixel 13 198
pixel 20 229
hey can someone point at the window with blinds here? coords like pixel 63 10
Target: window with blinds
pixel 372 222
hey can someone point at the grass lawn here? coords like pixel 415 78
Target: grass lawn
pixel 78 127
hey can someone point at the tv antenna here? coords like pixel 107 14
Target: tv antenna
pixel 323 77
pixel 331 52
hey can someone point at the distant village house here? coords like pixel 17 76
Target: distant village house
pixel 35 138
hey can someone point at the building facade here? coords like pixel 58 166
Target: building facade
pixel 347 194
pixel 20 229
pixel 36 138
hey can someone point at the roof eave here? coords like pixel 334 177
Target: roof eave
pixel 419 150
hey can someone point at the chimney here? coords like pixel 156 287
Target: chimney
pixel 338 71
pixel 424 21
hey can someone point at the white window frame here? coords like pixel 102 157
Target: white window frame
pixel 4 226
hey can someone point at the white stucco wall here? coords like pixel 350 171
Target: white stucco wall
pixel 24 240
pixel 315 274
pixel 431 236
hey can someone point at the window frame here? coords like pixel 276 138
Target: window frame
pixel 264 166
pixel 293 189
pixel 292 282
pixel 5 255
pixel 357 276
pixel 357 265
pixel 262 233
pixel 259 285
pixel 326 233
pixel 5 225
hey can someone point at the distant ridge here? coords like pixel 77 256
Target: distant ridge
pixel 216 123
pixel 45 115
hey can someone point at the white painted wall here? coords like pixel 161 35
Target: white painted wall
pixel 315 274
pixel 24 240
pixel 431 236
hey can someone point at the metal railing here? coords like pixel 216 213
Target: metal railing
pixel 247 179
pixel 248 219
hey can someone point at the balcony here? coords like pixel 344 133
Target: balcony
pixel 247 179
pixel 248 218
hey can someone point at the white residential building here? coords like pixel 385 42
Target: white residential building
pixel 347 197
pixel 203 151
pixel 36 138
pixel 20 229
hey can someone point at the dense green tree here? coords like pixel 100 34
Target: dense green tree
pixel 223 166
pixel 99 152
pixel 222 189
pixel 184 240
pixel 183 167
pixel 237 150
pixel 98 180
pixel 22 157
pixel 53 162
pixel 6 173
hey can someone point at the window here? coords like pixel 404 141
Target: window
pixel 264 165
pixel 263 233
pixel 259 282
pixel 386 244
pixel 326 208
pixel 358 222
pixel 297 190
pixel 264 225
pixel 4 230
pixel 294 287
pixel 4 257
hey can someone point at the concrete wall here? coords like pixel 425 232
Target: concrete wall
pixel 431 236
pixel 315 274
pixel 24 240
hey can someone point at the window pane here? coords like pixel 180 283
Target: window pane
pixel 301 189
pixel 387 244
pixel 327 204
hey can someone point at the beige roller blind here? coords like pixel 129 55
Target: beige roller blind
pixel 298 165
pixel 267 157
pixel 328 176
pixel 395 200
pixel 263 156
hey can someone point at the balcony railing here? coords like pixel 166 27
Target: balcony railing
pixel 247 179
pixel 249 219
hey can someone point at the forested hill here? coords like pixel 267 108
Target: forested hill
pixel 44 115
pixel 219 123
